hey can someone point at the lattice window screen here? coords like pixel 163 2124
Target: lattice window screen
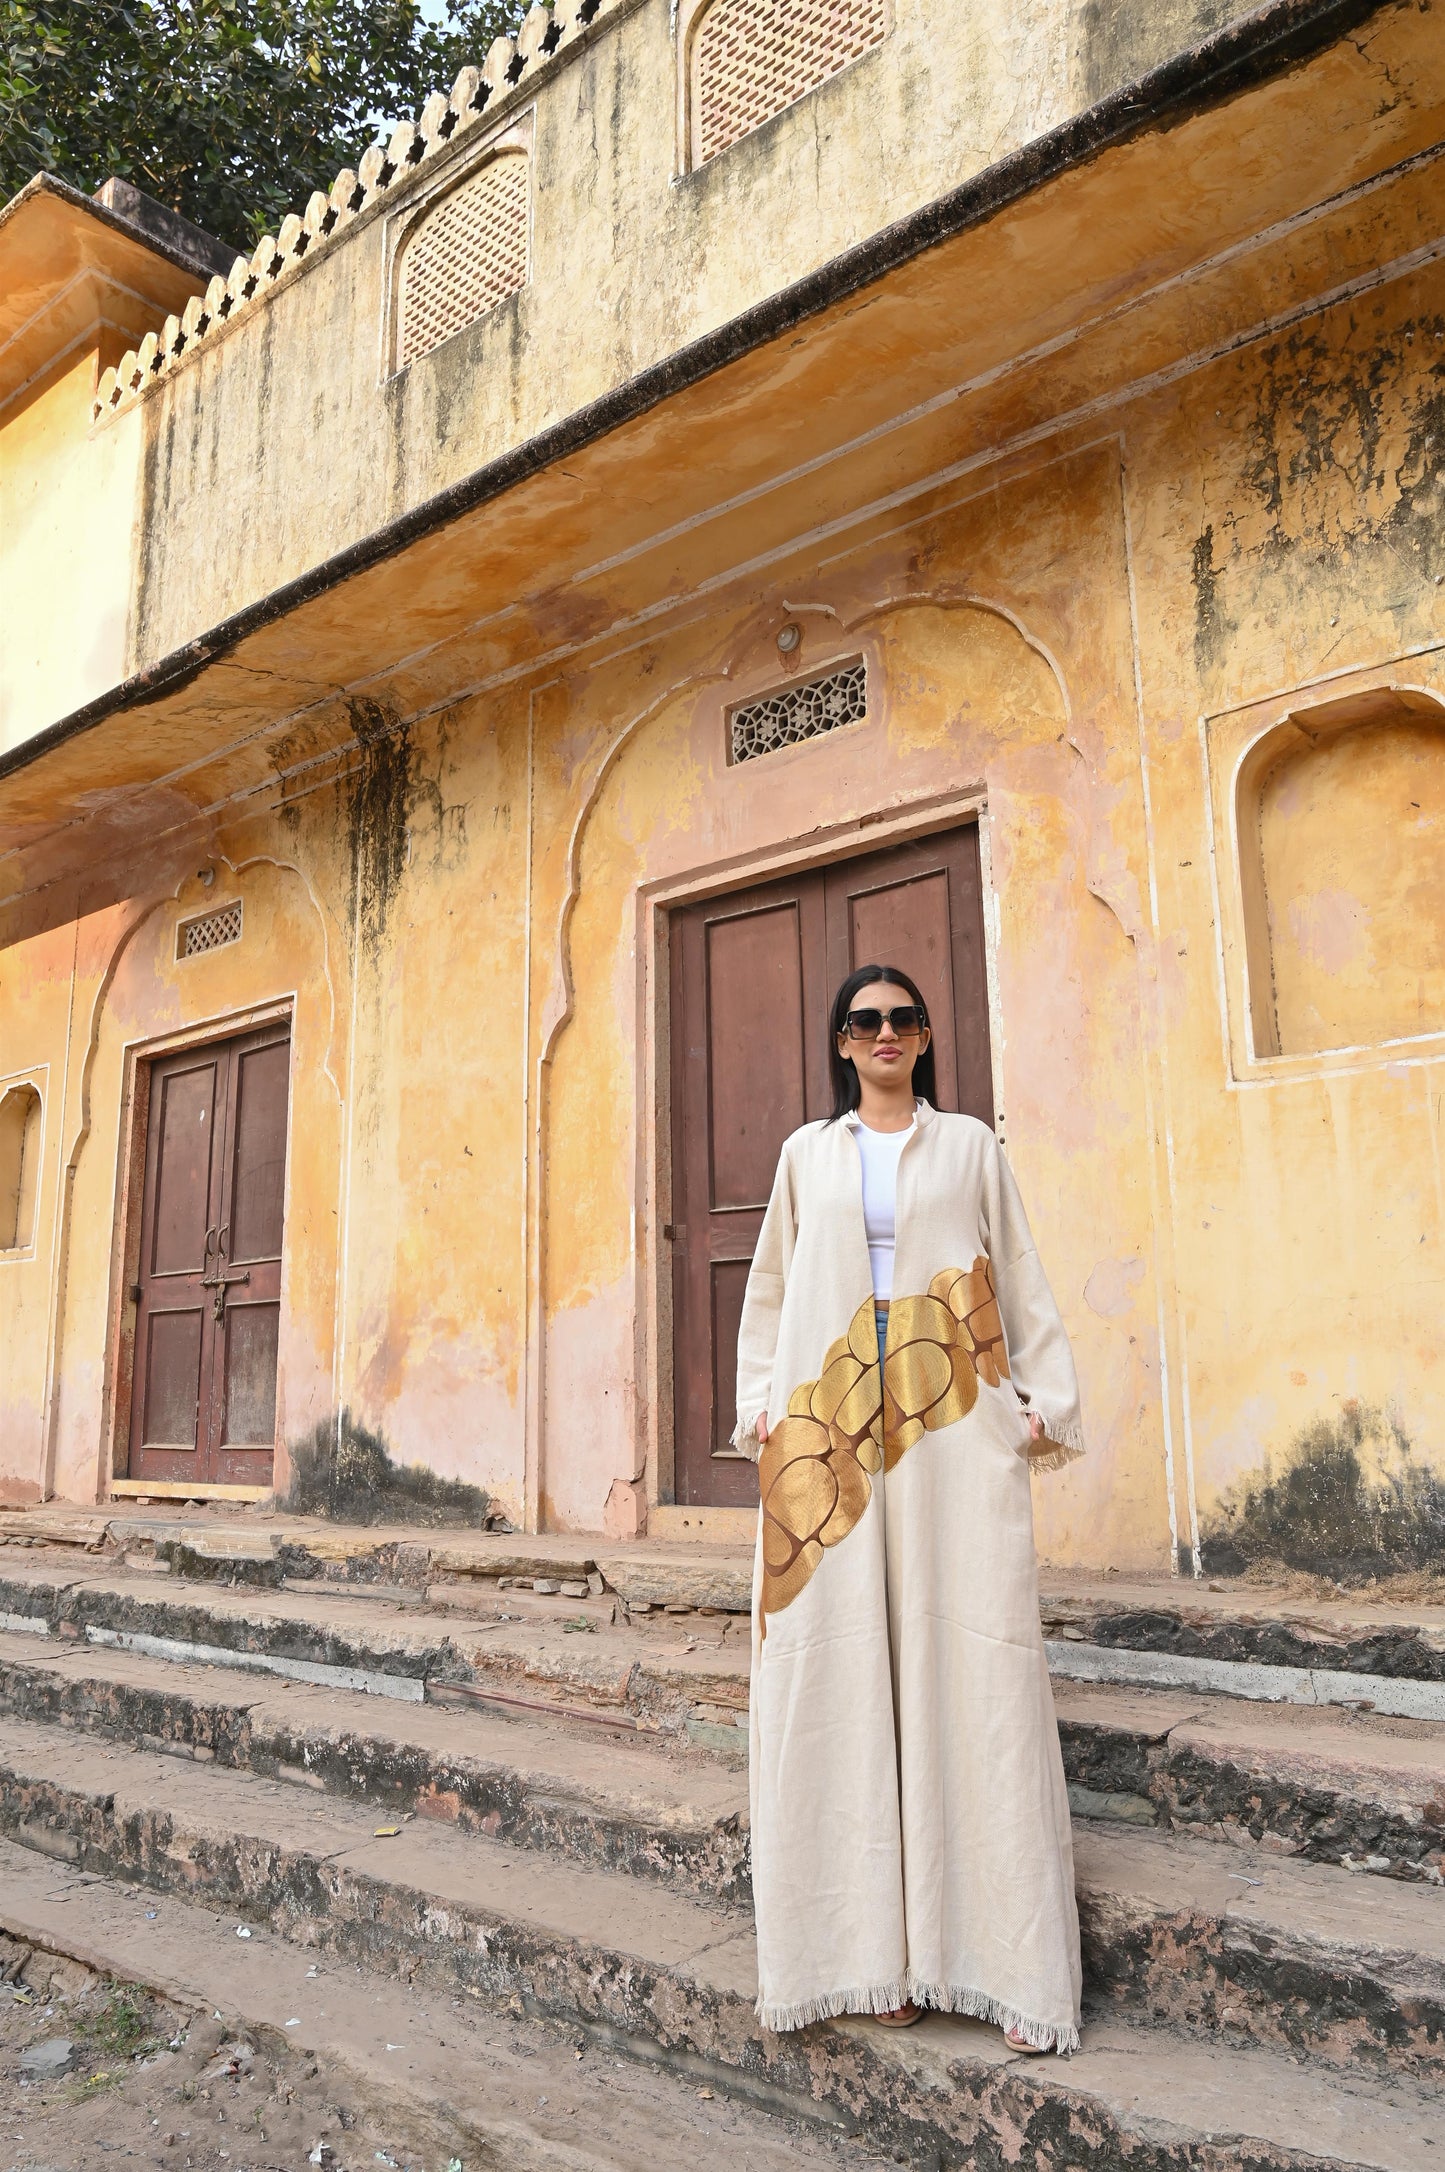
pixel 800 712
pixel 465 256
pixel 209 931
pixel 750 58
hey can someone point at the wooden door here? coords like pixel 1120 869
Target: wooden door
pixel 208 1300
pixel 753 974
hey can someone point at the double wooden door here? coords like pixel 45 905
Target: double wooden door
pixel 208 1297
pixel 753 976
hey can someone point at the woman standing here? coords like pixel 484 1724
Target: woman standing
pixel 910 1824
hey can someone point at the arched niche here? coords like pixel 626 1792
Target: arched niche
pixel 19 1167
pixel 1341 824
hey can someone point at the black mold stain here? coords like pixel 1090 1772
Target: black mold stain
pixel 1211 630
pixel 343 1472
pixel 1325 1511
pixel 378 793
pixel 1341 474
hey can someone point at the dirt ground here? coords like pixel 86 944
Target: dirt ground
pixel 176 2088
pixel 167 2088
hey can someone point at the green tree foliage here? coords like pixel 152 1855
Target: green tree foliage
pixel 231 111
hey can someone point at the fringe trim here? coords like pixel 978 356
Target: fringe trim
pixel 1061 1444
pixel 943 1998
pixel 745 1437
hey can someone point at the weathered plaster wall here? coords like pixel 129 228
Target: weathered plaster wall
pixel 1091 636
pixel 1285 507
pixel 1271 1226
pixel 68 504
pixel 294 414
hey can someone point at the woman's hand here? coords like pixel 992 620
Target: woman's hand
pixel 1036 1428
pixel 762 1428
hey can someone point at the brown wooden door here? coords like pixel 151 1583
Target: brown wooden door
pixel 752 977
pixel 208 1300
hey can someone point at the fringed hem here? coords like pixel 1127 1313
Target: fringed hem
pixel 943 1998
pixel 1061 1444
pixel 882 1998
pixel 745 1437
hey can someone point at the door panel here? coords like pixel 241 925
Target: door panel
pixel 249 1404
pixel 183 1148
pixel 920 906
pixel 203 1405
pixel 755 1022
pixel 729 1285
pixel 259 1163
pixel 173 1380
pixel 752 977
pixel 747 972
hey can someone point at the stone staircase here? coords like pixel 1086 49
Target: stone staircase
pixel 399 1751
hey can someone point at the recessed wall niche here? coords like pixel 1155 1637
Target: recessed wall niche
pixel 1341 826
pixel 19 1166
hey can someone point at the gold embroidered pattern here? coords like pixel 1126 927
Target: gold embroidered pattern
pixel 816 1465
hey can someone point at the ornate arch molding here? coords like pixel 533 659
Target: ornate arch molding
pixel 731 673
pixel 742 652
pixel 127 936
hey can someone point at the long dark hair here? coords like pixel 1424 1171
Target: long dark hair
pixel 844 1076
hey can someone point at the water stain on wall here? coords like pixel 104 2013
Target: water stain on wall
pixel 1348 1500
pixel 344 1472
pixel 378 802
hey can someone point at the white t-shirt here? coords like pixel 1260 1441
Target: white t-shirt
pixel 880 1151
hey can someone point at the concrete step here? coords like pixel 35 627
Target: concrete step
pixel 438 2076
pixel 1335 1784
pixel 1331 1785
pixel 266 1551
pixel 457 1913
pixel 1178 1929
pixel 594 1794
pixel 656 1673
pixel 1244 1625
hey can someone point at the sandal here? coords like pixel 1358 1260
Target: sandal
pixel 901 2017
pixel 1021 2043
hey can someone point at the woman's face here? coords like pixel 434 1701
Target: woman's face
pixel 887 1062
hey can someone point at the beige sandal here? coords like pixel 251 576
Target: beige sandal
pixel 902 2017
pixel 1020 2043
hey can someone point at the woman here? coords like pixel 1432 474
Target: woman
pixel 911 1842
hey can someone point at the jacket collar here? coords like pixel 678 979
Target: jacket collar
pixel 923 1115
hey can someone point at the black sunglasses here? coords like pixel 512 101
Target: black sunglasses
pixel 905 1019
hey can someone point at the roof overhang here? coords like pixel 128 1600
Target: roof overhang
pixel 70 262
pixel 1243 184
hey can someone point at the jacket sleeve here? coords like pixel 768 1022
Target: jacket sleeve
pixel 1040 1360
pixel 763 1307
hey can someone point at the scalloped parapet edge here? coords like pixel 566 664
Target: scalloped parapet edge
pixel 478 93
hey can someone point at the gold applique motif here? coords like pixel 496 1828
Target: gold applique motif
pixel 840 1431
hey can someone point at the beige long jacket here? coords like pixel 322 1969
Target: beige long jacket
pixel 910 1820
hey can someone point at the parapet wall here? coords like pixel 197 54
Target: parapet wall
pixel 290 394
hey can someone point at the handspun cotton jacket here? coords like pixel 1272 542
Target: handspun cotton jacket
pixel 910 1823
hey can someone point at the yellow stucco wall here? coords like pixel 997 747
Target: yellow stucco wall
pixel 68 509
pixel 462 919
pixel 1121 645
